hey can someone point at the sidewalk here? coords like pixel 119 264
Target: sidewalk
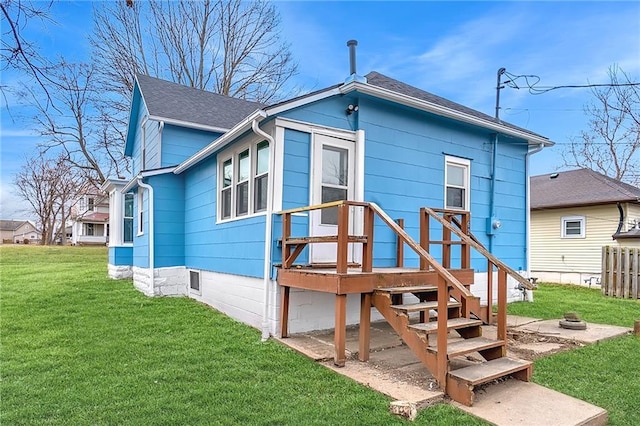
pixel 395 371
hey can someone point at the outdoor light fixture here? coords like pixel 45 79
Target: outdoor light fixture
pixel 351 109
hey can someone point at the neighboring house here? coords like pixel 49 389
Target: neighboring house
pixel 573 215
pixel 17 231
pixel 90 219
pixel 199 218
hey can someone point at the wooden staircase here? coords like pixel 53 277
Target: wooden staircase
pixel 460 383
pixel 442 306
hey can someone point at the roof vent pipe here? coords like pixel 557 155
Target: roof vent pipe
pixel 353 77
pixel 352 56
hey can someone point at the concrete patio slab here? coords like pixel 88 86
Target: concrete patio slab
pixel 594 332
pixel 515 320
pixel 513 402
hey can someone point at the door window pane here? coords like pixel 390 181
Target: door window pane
pixel 334 165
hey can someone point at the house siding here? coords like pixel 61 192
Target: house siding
pixel 568 259
pixel 169 240
pixel 404 170
pixel 153 139
pixel 179 143
pixel 234 247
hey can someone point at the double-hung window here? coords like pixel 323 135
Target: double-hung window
pixel 457 172
pixel 127 224
pixel 243 180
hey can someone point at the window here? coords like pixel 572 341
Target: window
pixel 334 181
pixel 194 281
pixel 92 204
pixel 457 183
pixel 573 227
pixel 89 229
pixel 243 181
pixel 140 212
pixel 127 225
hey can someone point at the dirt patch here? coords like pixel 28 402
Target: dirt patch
pixel 531 346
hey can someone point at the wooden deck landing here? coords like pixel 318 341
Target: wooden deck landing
pixel 356 281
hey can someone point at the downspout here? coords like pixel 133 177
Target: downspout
pixel 528 204
pixel 621 222
pixel 149 189
pixel 268 231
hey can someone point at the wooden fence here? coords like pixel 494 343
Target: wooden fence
pixel 621 272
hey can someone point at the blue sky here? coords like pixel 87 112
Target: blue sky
pixel 452 49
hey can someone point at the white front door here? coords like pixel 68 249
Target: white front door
pixel 333 179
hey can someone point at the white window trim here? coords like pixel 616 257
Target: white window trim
pixel 140 213
pixel 232 153
pixel 583 226
pixel 463 162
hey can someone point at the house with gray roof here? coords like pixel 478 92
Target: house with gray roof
pixel 201 216
pixel 19 232
pixel 573 215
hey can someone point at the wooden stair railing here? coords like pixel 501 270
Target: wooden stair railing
pixel 458 384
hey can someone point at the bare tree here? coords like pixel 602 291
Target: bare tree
pixel 17 51
pixel 231 47
pixel 611 143
pixel 49 186
pixel 89 140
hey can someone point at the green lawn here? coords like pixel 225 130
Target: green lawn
pixel 606 374
pixel 78 348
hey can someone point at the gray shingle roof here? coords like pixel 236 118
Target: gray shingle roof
pixel 10 225
pixel 580 187
pixel 376 79
pixel 173 101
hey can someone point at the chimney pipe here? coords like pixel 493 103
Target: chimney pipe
pixel 352 56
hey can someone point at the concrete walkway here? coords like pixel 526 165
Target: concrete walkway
pixel 395 371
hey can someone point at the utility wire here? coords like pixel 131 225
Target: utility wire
pixel 531 84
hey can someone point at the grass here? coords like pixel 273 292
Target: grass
pixel 606 374
pixel 79 348
pixel 553 300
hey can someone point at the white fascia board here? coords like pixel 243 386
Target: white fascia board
pixel 303 101
pixel 442 111
pixel 222 141
pixel 134 182
pixel 112 183
pixel 188 124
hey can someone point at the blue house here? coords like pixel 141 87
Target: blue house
pixel 216 177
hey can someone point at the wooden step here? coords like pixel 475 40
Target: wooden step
pixel 479 374
pixel 424 306
pixel 461 382
pixel 474 344
pixel 452 324
pixel 408 289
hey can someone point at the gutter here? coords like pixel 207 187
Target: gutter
pixel 149 188
pixel 442 111
pixel 528 203
pixel 268 231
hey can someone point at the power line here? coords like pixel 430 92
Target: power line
pixel 531 84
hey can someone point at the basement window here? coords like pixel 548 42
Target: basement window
pixel 573 226
pixel 194 281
